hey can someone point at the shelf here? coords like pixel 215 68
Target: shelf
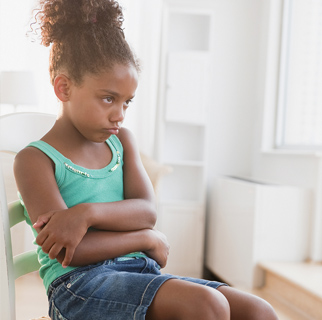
pixel 186 55
pixel 187 87
pixel 185 163
pixel 189 31
pixel 185 183
pixel 190 122
pixel 186 204
pixel 183 144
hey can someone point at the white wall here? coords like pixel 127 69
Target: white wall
pixel 234 99
pixel 302 169
pixel 242 107
pixel 297 169
pixel 236 114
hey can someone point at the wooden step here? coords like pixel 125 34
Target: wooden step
pixel 294 288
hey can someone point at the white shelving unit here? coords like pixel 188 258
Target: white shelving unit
pixel 181 135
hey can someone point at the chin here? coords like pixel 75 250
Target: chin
pixel 103 139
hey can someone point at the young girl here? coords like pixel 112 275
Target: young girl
pixel 87 196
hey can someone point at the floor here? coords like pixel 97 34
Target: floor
pixel 298 285
pixel 306 275
pixel 31 299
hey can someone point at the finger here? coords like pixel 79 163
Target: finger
pixel 38 224
pixel 38 230
pixel 47 244
pixel 54 251
pixel 42 220
pixel 164 262
pixel 68 257
pixel 41 238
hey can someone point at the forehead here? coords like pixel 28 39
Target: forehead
pixel 120 78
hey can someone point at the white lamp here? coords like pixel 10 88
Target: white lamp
pixel 17 88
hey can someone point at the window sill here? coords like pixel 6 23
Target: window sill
pixel 291 152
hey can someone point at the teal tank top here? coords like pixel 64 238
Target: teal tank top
pixel 80 185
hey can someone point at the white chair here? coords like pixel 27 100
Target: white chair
pixel 16 131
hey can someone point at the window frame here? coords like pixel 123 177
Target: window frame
pixel 279 140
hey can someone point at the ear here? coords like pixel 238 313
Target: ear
pixel 62 86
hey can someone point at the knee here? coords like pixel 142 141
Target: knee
pixel 212 305
pixel 263 311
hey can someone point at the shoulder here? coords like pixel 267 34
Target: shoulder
pixel 125 134
pixel 127 138
pixel 31 157
pixel 29 154
pixel 130 147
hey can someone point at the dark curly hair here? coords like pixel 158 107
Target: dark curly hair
pixel 86 36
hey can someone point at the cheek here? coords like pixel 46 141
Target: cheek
pixel 88 109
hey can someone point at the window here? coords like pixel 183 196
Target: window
pixel 299 118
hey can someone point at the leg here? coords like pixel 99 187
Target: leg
pixel 246 306
pixel 177 299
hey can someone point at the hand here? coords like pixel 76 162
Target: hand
pixel 42 220
pixel 61 230
pixel 159 247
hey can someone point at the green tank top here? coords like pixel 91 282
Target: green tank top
pixel 80 185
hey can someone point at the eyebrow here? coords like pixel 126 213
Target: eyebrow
pixel 113 93
pixel 109 92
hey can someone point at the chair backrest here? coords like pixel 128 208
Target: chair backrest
pixel 16 131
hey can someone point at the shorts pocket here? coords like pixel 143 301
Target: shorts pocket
pixel 151 267
pixel 73 279
pixel 55 313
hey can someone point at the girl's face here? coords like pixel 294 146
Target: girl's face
pixel 97 108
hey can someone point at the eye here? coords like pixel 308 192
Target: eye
pixel 108 100
pixel 127 102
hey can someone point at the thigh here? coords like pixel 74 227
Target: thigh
pixel 247 306
pixel 181 299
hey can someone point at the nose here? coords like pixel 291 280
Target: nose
pixel 118 114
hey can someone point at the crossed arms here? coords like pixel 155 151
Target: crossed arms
pixel 91 232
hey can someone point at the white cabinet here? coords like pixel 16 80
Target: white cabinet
pixel 184 227
pixel 181 134
pixel 252 222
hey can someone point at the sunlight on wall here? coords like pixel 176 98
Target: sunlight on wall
pixel 18 52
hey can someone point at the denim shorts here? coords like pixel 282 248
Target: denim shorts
pixel 114 289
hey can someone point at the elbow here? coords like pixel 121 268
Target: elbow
pixel 152 216
pixel 153 220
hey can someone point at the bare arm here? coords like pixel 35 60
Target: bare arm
pixel 36 182
pixel 97 246
pixel 35 178
pixel 137 211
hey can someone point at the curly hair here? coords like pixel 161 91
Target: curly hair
pixel 86 36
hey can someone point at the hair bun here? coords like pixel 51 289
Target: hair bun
pixel 57 18
pixel 86 37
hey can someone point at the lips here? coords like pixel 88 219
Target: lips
pixel 113 130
